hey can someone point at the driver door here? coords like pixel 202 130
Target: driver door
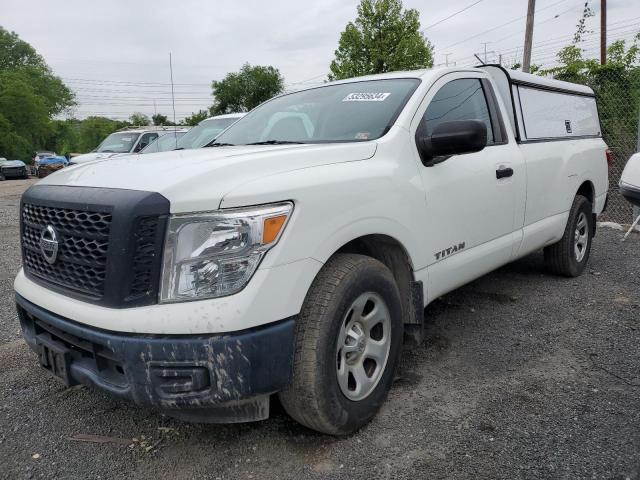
pixel 470 213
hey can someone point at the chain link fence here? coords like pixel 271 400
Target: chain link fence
pixel 618 97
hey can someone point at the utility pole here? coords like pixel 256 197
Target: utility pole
pixel 485 51
pixel 603 32
pixel 528 37
pixel 446 59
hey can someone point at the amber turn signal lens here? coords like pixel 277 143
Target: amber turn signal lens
pixel 272 227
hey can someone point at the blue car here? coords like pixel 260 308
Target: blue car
pixel 49 165
pixel 13 169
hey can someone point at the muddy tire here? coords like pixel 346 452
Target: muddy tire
pixel 348 340
pixel 569 256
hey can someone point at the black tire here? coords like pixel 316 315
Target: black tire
pixel 561 257
pixel 314 397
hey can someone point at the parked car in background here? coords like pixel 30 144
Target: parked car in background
pixel 123 142
pixel 39 156
pixel 48 165
pixel 207 130
pixel 166 142
pixel 630 180
pixel 13 169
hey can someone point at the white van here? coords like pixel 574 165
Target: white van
pixel 297 253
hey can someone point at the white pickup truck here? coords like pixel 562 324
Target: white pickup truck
pixel 296 254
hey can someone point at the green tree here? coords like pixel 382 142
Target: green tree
pixel 159 119
pixel 29 96
pixel 26 111
pixel 244 90
pixel 196 117
pixel 17 55
pixel 93 130
pixel 139 119
pixel 383 38
pixel 12 145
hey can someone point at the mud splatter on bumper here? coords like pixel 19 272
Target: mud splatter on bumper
pixel 174 372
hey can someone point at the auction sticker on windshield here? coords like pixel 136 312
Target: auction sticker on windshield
pixel 366 97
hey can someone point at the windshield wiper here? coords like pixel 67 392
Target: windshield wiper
pixel 220 145
pixel 274 142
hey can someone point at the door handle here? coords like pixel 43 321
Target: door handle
pixel 504 172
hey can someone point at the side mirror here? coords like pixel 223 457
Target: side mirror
pixel 452 138
pixel 140 146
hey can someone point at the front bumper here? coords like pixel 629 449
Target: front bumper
pixel 14 172
pixel 201 377
pixel 632 194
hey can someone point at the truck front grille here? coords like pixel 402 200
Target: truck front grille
pixel 108 242
pixel 14 170
pixel 83 247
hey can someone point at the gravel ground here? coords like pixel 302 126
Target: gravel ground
pixel 523 375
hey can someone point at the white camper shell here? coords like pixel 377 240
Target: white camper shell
pixel 545 109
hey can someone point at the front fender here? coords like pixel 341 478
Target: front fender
pixel 339 202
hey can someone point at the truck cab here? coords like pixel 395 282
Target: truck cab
pixel 295 255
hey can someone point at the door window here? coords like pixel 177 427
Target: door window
pixel 462 99
pixel 146 139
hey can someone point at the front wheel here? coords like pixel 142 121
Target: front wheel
pixel 570 255
pixel 348 340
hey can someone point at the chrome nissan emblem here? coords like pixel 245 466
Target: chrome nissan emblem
pixel 49 244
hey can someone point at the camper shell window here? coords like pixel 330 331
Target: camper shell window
pixel 544 109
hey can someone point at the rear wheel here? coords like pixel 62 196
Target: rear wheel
pixel 348 340
pixel 570 255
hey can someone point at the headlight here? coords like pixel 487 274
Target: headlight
pixel 214 254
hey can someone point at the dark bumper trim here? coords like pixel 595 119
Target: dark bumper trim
pixel 167 371
pixel 631 194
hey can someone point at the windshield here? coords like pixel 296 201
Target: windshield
pixel 205 132
pixel 348 112
pixel 164 143
pixel 121 142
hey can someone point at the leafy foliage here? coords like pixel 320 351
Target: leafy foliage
pixel 159 119
pixel 29 96
pixel 196 118
pixel 18 57
pixel 383 38
pixel 139 119
pixel 244 90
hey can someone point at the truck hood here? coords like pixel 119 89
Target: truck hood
pixel 197 180
pixel 90 157
pixel 12 163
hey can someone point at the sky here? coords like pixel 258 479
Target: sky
pixel 115 54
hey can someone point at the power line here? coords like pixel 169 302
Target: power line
pixel 500 26
pixel 564 38
pixel 452 15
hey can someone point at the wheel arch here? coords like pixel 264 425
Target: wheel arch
pixel 394 255
pixel 587 190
